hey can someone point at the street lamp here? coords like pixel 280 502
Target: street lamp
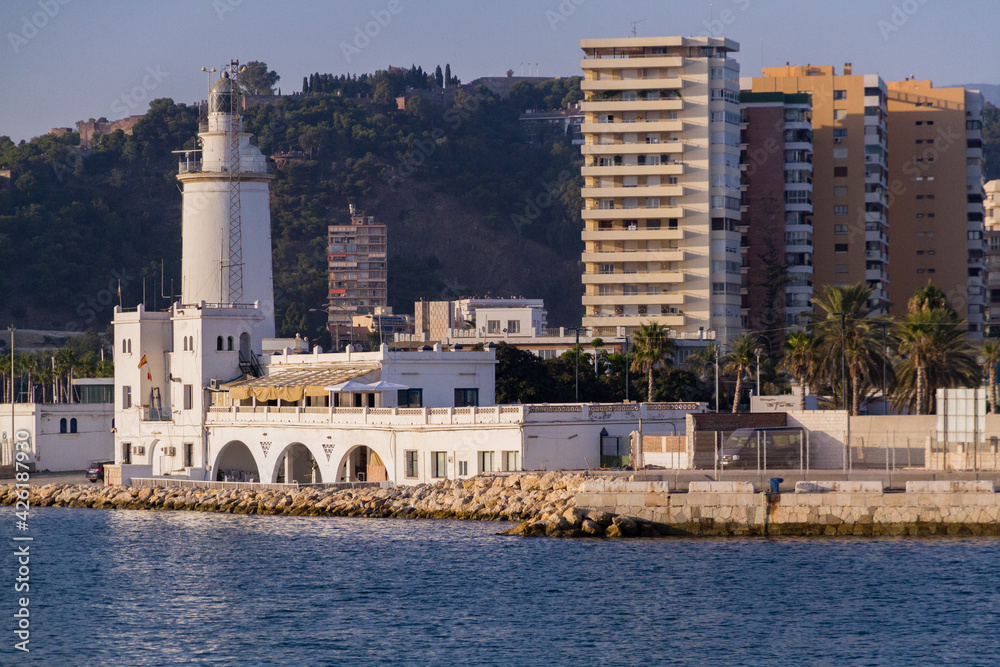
pixel 758 371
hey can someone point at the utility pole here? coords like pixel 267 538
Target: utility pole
pixel 577 374
pixel 758 371
pixel 627 380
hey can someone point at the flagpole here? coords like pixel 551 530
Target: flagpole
pixel 120 307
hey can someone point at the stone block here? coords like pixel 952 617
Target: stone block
pixel 952 486
pixel 621 486
pixel 838 486
pixel 721 487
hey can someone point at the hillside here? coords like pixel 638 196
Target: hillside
pixel 448 182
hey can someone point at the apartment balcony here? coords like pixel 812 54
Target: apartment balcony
pixel 676 320
pixel 632 61
pixel 633 234
pixel 605 106
pixel 633 126
pixel 618 256
pixel 590 148
pixel 592 277
pixel 630 213
pixel 633 300
pixel 639 190
pixel 800 268
pixel 875 274
pixel 630 84
pixel 666 169
pixel 799 247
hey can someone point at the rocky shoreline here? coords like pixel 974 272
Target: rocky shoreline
pixel 543 503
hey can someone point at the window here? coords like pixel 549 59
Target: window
pixel 188 396
pixel 840 191
pixel 229 344
pixel 126 397
pixel 840 247
pixel 62 425
pixel 463 468
pixel 188 454
pixel 840 229
pixel 839 114
pixel 514 326
pixel 840 210
pixel 511 461
pixel 839 134
pixel 486 462
pixel 439 464
pixel 840 172
pixel 466 398
pixel 126 453
pixel 72 425
pixel 218 343
pixel 410 459
pixel 840 268
pixel 124 349
pixel 840 94
pixel 410 398
pixel 493 326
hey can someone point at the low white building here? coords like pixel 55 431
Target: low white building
pixel 63 436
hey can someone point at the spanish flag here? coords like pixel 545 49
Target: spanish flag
pixel 143 361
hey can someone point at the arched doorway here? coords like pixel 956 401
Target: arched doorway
pixel 296 465
pixel 362 464
pixel 235 463
pixel 244 345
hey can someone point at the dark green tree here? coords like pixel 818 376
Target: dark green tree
pixel 256 79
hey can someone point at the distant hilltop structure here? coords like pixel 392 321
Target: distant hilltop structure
pixel 88 128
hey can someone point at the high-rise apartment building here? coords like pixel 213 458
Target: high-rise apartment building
pixel 776 216
pixel 936 199
pixel 991 240
pixel 357 265
pixel 849 170
pixel 662 185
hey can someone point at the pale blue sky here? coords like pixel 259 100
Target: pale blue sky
pixel 109 58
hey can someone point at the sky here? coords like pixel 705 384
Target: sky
pixel 67 60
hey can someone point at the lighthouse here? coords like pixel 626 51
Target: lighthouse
pixel 226 219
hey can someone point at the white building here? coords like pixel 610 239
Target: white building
pixel 205 392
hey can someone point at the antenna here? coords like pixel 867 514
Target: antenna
pixel 235 263
pixel 635 25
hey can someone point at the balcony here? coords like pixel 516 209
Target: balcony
pixel 155 414
pixel 639 190
pixel 630 213
pixel 664 169
pixel 631 84
pixel 618 256
pixel 646 277
pixel 591 148
pixel 623 61
pixel 633 126
pixel 677 320
pixel 618 104
pixel 632 234
pixel 669 299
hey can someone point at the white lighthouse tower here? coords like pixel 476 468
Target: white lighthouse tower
pixel 226 223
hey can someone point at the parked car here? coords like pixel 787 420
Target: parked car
pixel 95 471
pixel 782 448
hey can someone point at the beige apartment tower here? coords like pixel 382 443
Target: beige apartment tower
pixel 661 185
pixel 935 201
pixel 850 173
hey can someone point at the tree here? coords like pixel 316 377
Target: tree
pixel 935 353
pixel 801 360
pixel 438 77
pixel 991 357
pixel 742 355
pixel 447 74
pixel 521 376
pixel 256 79
pixel 849 331
pixel 597 344
pixel 651 349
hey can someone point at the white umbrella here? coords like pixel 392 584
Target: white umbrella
pixel 384 385
pixel 350 385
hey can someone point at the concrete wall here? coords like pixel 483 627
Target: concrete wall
pixel 709 513
pixel 55 451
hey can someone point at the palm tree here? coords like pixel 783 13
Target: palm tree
pixel 742 355
pixel 991 357
pixel 801 360
pixel 849 332
pixel 652 348
pixel 935 353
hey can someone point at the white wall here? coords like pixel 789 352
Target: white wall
pixel 57 451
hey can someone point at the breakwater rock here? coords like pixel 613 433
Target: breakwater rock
pixel 543 497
